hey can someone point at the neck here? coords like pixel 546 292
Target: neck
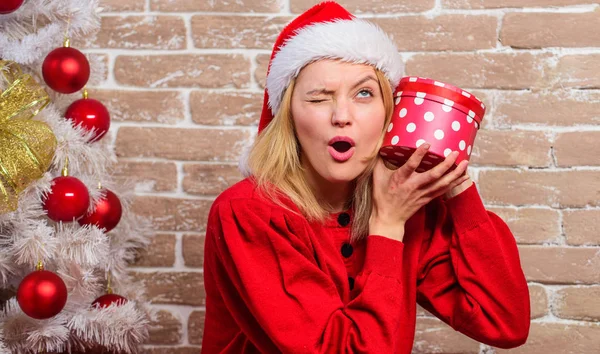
pixel 334 196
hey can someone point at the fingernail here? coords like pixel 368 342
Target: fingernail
pixel 426 146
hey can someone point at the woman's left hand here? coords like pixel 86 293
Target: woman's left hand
pixel 458 189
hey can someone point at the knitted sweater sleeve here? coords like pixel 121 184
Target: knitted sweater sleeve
pixel 470 273
pixel 258 258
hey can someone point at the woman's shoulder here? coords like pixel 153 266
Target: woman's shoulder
pixel 246 196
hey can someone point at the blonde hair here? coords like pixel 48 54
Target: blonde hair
pixel 274 161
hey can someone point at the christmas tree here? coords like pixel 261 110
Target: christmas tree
pixel 66 232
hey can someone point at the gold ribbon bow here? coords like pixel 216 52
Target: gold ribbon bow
pixel 26 146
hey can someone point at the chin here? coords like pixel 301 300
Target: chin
pixel 341 172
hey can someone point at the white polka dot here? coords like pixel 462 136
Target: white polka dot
pixel 420 170
pixel 448 102
pixel 439 134
pixel 469 120
pixel 446 109
pixel 471 114
pixel 429 116
pixel 399 154
pixel 466 94
pixel 421 94
pixel 389 147
pixel 420 142
pixel 433 157
pixel 411 127
pixel 405 148
pixel 419 101
pixel 383 154
pixel 398 100
pixel 469 150
pixel 455 126
pixel 462 145
pixel 440 84
pixel 413 79
pixel 403 112
pixel 447 152
pixel 427 163
pixel 390 127
pixel 395 140
pixel 482 106
pixel 399 93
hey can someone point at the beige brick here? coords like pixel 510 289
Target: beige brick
pixel 179 288
pixel 183 70
pixel 120 5
pixel 378 6
pixel 511 148
pixel 577 149
pixel 193 250
pixel 196 327
pixel 493 4
pixel 171 214
pixel 167 329
pixel 557 189
pixel 434 336
pixel 253 32
pixel 260 73
pixel 225 108
pixel 558 338
pixel 147 176
pixel 215 6
pixel 181 143
pixel 578 303
pixel 139 32
pixel 539 301
pixel 540 30
pixel 160 252
pixel 578 71
pixel 531 226
pixel 211 179
pixel 171 350
pixel 441 33
pixel 479 70
pixel 561 265
pixel 581 227
pixel 141 106
pixel 558 108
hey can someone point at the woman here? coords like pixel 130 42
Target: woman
pixel 323 248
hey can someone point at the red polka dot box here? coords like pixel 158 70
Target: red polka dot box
pixel 440 114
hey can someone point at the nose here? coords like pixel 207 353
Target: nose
pixel 342 115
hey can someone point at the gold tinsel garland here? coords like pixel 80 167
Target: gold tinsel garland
pixel 27 146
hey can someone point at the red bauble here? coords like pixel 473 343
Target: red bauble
pixel 109 299
pixel 90 114
pixel 107 214
pixel 66 70
pixel 42 294
pixel 68 199
pixel 8 6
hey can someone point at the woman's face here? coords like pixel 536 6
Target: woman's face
pixel 338 114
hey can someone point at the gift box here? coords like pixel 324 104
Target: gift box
pixel 438 113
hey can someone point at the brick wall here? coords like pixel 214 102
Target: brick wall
pixel 184 87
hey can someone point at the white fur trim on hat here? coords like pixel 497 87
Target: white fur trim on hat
pixel 355 41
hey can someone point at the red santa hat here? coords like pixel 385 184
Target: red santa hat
pixel 326 31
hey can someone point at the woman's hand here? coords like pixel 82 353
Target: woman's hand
pixel 399 193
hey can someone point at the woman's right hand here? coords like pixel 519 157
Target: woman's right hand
pixel 398 193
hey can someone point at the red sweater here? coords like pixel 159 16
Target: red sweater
pixel 277 283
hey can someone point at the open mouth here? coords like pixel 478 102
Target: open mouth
pixel 341 146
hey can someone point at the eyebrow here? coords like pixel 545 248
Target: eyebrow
pixel 329 92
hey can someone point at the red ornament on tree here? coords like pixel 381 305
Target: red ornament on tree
pixel 107 214
pixel 90 114
pixel 109 299
pixel 68 199
pixel 8 6
pixel 65 69
pixel 42 294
